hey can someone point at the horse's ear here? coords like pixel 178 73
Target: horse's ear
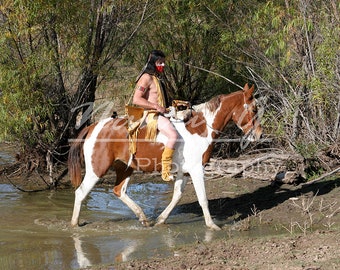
pixel 246 87
pixel 248 91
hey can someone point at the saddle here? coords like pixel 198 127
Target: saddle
pixel 136 116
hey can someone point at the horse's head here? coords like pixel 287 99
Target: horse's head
pixel 245 115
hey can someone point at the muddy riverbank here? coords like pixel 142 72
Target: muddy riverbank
pixel 264 226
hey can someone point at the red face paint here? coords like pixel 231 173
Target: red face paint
pixel 160 67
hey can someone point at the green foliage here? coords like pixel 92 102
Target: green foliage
pixel 294 53
pixel 307 150
pixel 187 32
pixel 54 55
pixel 23 67
pixel 51 55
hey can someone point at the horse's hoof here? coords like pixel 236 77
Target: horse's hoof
pixel 79 224
pixel 214 227
pixel 146 223
pixel 161 224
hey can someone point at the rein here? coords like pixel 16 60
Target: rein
pixel 242 140
pixel 244 113
pixel 246 107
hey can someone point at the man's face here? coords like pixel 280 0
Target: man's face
pixel 160 63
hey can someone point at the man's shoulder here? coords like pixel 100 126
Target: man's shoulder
pixel 146 78
pixel 147 75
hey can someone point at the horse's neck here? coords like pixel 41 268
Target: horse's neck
pixel 218 115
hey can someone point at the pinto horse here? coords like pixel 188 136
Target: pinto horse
pixel 104 145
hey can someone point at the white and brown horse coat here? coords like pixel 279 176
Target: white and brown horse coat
pixel 105 145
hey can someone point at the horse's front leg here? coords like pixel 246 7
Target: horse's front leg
pixel 197 176
pixel 120 191
pixel 177 195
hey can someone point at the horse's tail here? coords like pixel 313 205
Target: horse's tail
pixel 76 157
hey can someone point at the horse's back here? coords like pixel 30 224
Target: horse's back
pixel 107 143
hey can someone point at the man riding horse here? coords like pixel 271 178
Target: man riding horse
pixel 150 94
pixel 106 144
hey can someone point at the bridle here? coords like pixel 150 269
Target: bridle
pixel 246 113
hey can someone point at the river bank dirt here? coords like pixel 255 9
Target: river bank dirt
pixel 290 227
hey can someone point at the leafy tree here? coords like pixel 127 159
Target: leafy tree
pixel 187 33
pixel 54 54
pixel 289 50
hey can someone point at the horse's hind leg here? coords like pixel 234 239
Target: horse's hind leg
pixel 123 178
pixel 82 191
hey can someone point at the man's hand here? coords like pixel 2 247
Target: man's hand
pixel 160 109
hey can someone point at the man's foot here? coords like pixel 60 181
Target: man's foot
pixel 166 164
pixel 167 177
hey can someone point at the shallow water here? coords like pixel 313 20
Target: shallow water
pixel 6 154
pixel 35 231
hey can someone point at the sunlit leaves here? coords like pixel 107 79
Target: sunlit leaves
pixel 292 48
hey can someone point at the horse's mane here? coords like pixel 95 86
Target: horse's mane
pixel 213 104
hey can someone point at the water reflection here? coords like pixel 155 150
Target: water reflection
pixel 163 242
pixel 35 231
pixel 119 253
pixel 82 259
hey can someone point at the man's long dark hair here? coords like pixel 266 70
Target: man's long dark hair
pixel 150 66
